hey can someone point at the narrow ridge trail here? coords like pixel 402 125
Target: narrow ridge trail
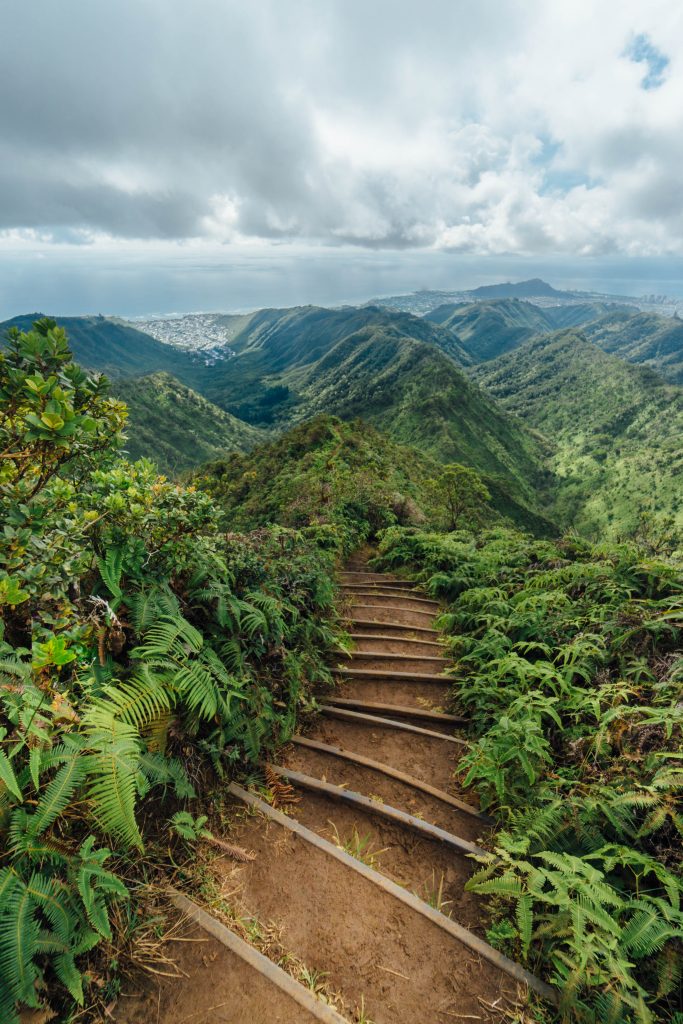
pixel 363 878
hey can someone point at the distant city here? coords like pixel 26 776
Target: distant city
pixel 210 334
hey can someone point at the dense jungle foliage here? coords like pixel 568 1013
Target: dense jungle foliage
pixel 157 635
pixel 614 433
pixel 143 650
pixel 568 664
pixel 341 483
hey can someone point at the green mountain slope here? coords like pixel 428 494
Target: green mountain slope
pixel 276 342
pixel 396 370
pixel 487 329
pixel 176 427
pixel 325 474
pixel 615 429
pixel 656 341
pixel 576 314
pixel 416 394
pixel 117 349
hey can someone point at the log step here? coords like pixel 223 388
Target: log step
pixel 395 639
pixel 456 931
pixel 390 608
pixel 363 673
pixel 388 723
pixel 382 656
pixel 394 625
pixel 379 809
pixel 394 773
pixel 395 710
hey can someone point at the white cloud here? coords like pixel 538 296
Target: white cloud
pixel 511 127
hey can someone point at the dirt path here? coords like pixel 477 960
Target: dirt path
pixel 380 957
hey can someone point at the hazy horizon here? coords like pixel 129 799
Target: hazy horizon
pixel 133 287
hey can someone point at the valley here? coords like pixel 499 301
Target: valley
pixel 574 436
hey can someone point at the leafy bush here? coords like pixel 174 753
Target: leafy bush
pixel 567 661
pixel 340 483
pixel 142 649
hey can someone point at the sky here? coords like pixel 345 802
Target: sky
pixel 161 156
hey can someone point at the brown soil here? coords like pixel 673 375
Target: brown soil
pixel 373 950
pixel 216 987
pixel 392 691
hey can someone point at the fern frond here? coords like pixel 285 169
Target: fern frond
pixel 113 766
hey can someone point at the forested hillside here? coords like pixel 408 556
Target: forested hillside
pixel 176 426
pixel 487 329
pixel 655 341
pixel 614 429
pixel 340 483
pixel 412 377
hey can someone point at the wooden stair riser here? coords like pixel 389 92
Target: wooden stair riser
pixel 392 674
pixel 423 606
pixel 367 643
pixel 380 722
pixel 392 614
pixel 397 594
pixel 435 660
pixel 379 626
pixel 402 663
pixel 363 580
pixel 329 756
pixel 466 939
pixel 394 710
pixel 373 807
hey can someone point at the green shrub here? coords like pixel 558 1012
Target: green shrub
pixel 141 650
pixel 567 662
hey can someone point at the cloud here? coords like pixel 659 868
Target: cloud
pixel 508 127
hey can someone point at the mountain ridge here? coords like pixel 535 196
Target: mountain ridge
pixel 613 427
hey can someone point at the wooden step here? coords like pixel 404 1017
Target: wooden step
pixel 397 595
pixel 387 723
pixel 381 810
pixel 395 639
pixel 369 579
pixel 456 931
pixel 363 673
pixel 382 656
pixel 394 773
pixel 388 608
pixel 381 576
pixel 395 710
pixel 393 625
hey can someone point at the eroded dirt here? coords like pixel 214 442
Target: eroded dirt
pixel 215 987
pixel 367 947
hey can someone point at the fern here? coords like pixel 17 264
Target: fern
pixel 112 769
